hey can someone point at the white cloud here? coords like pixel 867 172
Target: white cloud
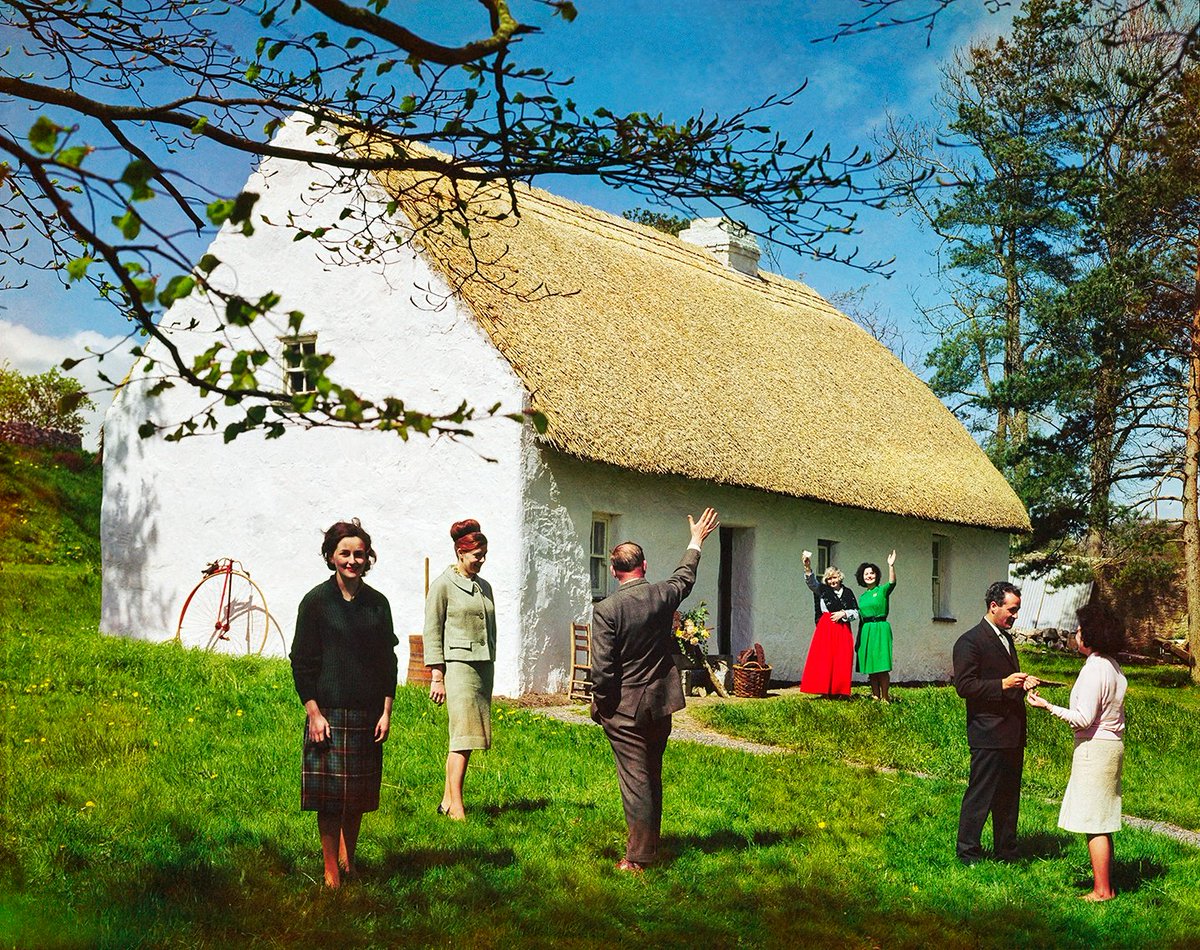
pixel 31 352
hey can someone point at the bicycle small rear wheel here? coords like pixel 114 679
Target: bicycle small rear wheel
pixel 225 613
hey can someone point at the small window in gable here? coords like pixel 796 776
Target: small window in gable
pixel 295 349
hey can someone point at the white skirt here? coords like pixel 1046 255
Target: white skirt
pixel 1092 802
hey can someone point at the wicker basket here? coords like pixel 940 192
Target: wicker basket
pixel 750 680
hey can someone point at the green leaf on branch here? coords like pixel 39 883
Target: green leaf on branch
pixel 565 9
pixel 73 157
pixel 239 313
pixel 208 263
pixel 137 175
pixel 77 269
pixel 44 135
pixel 70 401
pixel 146 287
pixel 178 286
pixel 129 223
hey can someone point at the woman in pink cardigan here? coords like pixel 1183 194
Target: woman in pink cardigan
pixel 1092 802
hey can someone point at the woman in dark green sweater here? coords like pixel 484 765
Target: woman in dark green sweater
pixel 344 667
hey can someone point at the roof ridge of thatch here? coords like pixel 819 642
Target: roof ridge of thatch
pixel 648 353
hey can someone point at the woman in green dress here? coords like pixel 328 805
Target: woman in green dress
pixel 874 650
pixel 460 650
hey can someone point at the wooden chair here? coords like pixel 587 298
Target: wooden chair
pixel 581 661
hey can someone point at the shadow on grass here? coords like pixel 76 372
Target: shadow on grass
pixel 517 805
pixel 412 863
pixel 1043 845
pixel 673 846
pixel 1127 876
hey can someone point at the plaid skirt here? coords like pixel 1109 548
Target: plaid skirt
pixel 344 772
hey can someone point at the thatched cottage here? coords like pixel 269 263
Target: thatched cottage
pixel 673 374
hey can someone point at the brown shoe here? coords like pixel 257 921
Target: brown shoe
pixel 631 867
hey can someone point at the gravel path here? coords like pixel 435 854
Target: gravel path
pixel 687 730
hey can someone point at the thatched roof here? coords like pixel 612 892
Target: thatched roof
pixel 647 353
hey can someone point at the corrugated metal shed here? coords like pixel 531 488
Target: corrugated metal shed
pixel 1043 605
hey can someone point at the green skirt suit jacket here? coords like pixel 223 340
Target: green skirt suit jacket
pixel 460 632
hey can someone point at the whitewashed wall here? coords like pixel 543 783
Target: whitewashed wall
pixel 169 508
pixel 653 511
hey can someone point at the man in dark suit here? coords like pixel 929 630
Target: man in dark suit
pixel 987 674
pixel 635 686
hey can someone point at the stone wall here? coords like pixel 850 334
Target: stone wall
pixel 26 433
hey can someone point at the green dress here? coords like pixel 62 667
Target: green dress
pixel 874 650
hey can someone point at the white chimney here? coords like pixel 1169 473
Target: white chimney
pixel 733 245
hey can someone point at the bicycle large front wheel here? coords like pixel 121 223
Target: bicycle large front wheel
pixel 225 613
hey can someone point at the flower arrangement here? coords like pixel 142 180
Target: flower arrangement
pixel 692 629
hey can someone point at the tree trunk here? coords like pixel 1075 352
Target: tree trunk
pixel 1100 470
pixel 1191 466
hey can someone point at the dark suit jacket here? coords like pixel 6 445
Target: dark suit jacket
pixel 633 675
pixel 995 716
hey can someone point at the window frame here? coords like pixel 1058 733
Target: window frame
pixel 598 563
pixel 295 349
pixel 940 577
pixel 825 555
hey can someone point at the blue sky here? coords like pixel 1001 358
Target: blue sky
pixel 674 58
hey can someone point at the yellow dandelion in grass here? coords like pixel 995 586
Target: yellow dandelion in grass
pixel 155 742
pixel 820 824
pixel 238 713
pixel 915 888
pixel 42 739
pixel 214 775
pixel 136 693
pixel 89 804
pixel 191 718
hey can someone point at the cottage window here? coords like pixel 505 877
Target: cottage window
pixel 940 585
pixel 824 555
pixel 598 555
pixel 295 349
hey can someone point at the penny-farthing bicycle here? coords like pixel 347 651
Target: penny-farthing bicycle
pixel 225 613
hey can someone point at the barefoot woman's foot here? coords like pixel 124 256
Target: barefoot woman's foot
pixel 1095 898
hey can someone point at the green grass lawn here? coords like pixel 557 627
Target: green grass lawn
pixel 925 731
pixel 151 799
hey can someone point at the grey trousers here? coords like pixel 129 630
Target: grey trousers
pixel 638 750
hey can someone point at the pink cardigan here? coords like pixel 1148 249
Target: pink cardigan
pixel 1097 701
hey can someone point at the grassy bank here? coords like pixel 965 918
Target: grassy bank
pixel 49 506
pixel 150 799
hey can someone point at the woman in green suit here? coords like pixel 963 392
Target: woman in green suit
pixel 460 650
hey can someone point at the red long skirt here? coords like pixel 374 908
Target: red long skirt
pixel 830 659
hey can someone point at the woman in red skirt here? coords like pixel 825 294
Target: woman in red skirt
pixel 344 667
pixel 830 660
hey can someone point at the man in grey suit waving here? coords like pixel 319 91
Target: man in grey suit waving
pixel 635 686
pixel 987 674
